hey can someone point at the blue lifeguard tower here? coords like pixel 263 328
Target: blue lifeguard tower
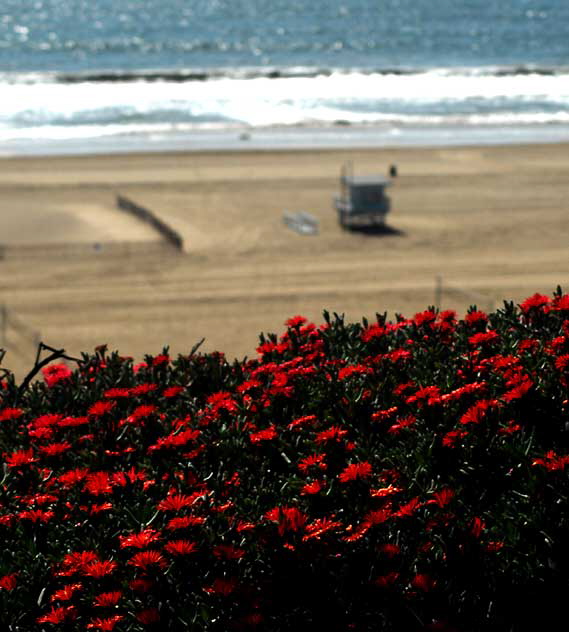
pixel 362 201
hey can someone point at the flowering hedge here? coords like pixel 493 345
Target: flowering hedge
pixel 386 476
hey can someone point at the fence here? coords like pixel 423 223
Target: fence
pixel 480 300
pixel 15 334
pixel 171 236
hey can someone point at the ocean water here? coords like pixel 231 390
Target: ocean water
pixel 84 75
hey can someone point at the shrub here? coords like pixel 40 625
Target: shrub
pixel 387 476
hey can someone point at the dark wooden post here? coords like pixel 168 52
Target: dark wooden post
pixel 3 324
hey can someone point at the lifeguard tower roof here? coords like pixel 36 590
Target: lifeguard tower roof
pixel 367 181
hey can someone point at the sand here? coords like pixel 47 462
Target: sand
pixel 493 222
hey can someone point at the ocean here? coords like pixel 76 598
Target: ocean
pixel 124 75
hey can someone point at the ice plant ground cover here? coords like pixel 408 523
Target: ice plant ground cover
pixel 376 476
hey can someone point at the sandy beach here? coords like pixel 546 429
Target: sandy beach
pixel 491 221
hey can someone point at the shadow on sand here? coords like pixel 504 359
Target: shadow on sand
pixel 376 231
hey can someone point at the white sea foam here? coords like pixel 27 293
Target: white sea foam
pixel 43 107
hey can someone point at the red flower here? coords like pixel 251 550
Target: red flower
pixel 494 546
pixel 372 333
pixel 66 593
pixel 476 317
pixel 72 477
pixel 106 625
pixel 552 461
pixel 180 547
pixel 140 412
pixel 423 582
pixel 139 540
pixel 382 415
pixel 377 516
pixel 477 527
pixel 183 522
pixel 107 599
pixel 222 586
pixel 244 525
pixel 160 359
pixel 98 483
pixel 268 347
pixel 175 440
pixel 382 492
pixel 391 550
pixel 98 569
pixel 511 428
pixel 143 389
pixel 77 561
pixel 319 527
pixel 55 373
pixel 425 318
pixel 355 534
pixel 451 437
pixel 248 385
pixel 58 615
pixel 313 488
pixel 483 338
pixel 528 345
pixel 55 449
pixel 148 616
pixel 314 460
pixel 100 408
pixel 334 433
pixel 116 393
pixel 356 369
pixel 6 521
pixel 477 413
pixel 562 362
pixel 8 582
pixel 141 585
pixel 537 301
pixel 146 559
pixel 467 389
pixel 288 518
pixel 387 580
pixel 408 508
pixel 428 394
pixel 36 515
pixel 72 422
pixel 447 316
pixel 172 391
pixel 263 435
pixel 99 508
pixel 228 552
pixel 401 388
pixel 399 355
pixel 301 421
pixel 442 497
pixel 19 458
pixel 44 422
pixel 560 303
pixel 7 414
pixel 355 471
pixel 295 321
pixel 404 422
pixel 222 401
pixel 175 502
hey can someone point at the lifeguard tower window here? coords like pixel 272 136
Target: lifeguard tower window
pixel 369 194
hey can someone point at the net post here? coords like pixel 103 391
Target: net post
pixel 438 291
pixel 3 324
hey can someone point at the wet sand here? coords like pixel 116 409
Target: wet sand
pixel 491 221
